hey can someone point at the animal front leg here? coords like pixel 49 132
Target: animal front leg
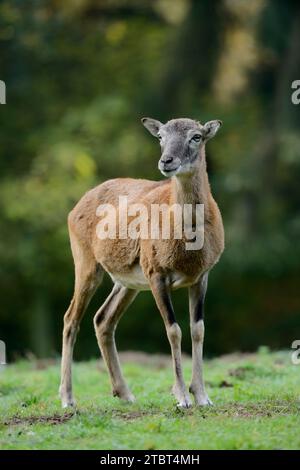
pixel 196 298
pixel 163 301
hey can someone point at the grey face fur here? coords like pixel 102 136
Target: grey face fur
pixel 180 140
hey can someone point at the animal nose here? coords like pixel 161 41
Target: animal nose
pixel 167 160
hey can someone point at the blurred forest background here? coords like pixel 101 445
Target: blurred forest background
pixel 79 75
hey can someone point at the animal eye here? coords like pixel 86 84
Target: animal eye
pixel 196 137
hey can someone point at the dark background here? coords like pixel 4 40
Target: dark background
pixel 80 74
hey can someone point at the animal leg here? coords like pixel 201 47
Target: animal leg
pixel 105 323
pixel 164 304
pixel 196 300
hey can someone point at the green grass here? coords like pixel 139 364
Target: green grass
pixel 256 406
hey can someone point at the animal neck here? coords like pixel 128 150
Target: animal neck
pixel 192 188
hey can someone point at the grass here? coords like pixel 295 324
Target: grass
pixel 256 399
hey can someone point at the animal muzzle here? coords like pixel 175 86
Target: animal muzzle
pixel 167 163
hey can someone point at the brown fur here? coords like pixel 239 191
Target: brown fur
pixel 163 256
pixel 160 265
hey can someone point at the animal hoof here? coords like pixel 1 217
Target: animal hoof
pixel 129 398
pixel 182 396
pixel 204 401
pixel 183 405
pixel 124 395
pixel 68 403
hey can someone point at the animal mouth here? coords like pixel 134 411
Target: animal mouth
pixel 170 172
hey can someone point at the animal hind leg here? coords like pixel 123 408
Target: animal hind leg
pixel 88 275
pixel 105 323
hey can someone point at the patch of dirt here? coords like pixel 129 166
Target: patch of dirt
pixel 54 419
pixel 279 362
pixel 157 361
pixel 225 384
pixel 233 410
pixel 131 415
pixel 253 410
pixel 239 372
pixel 236 356
pixel 41 364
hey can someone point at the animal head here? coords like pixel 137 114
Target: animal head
pixel 180 141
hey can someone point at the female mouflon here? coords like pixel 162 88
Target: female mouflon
pixel 155 263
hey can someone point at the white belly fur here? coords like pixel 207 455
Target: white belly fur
pixel 135 279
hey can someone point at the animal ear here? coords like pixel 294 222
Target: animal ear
pixel 211 128
pixel 152 125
